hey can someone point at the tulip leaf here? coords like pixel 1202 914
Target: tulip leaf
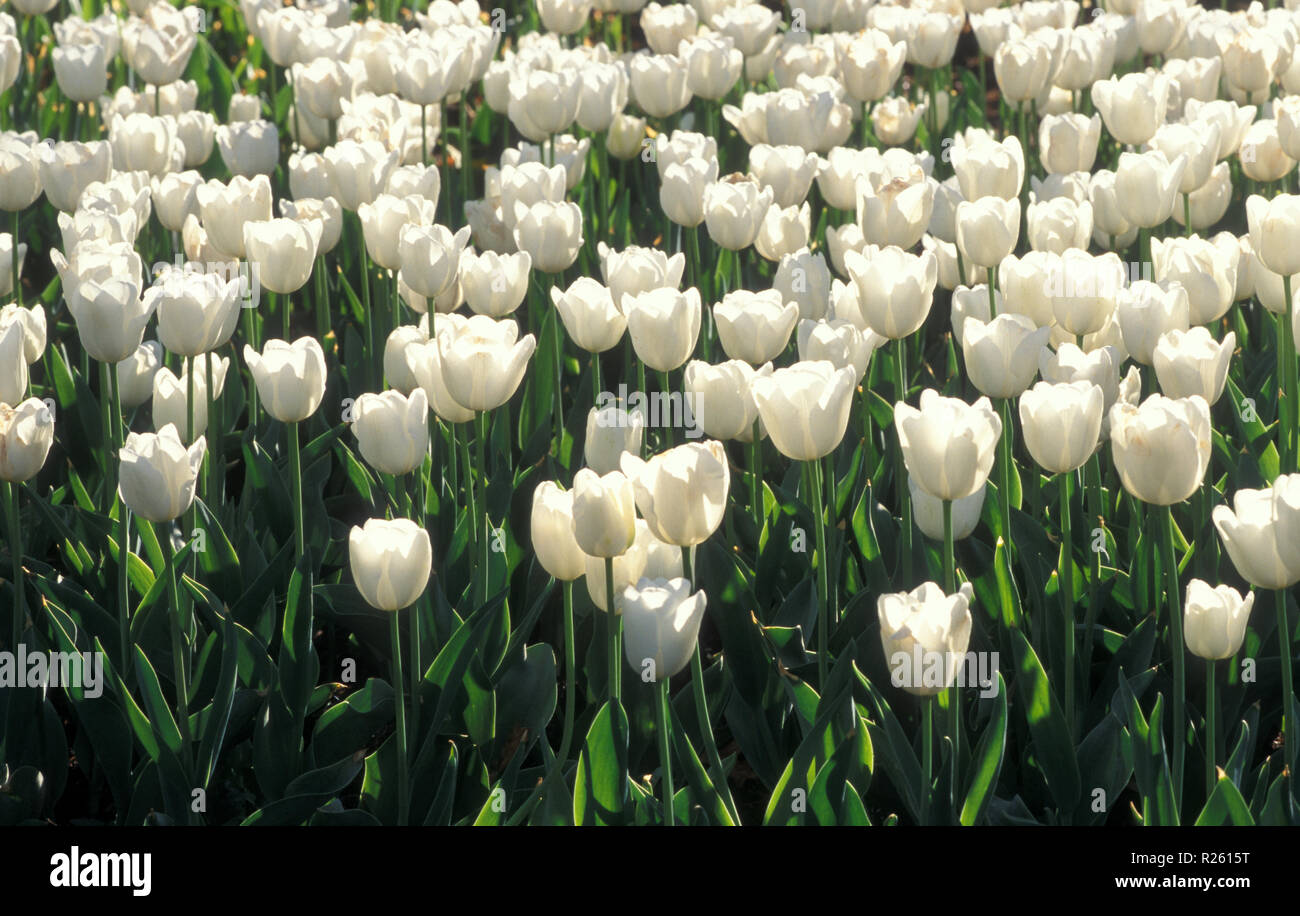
pixel 1150 762
pixel 987 760
pixel 1052 745
pixel 1225 806
pixel 601 793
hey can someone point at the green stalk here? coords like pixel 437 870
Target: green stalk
pixel 484 523
pixel 614 672
pixel 123 532
pixel 1292 385
pixel 399 706
pixel 756 480
pixel 250 336
pixel 178 627
pixel 1004 479
pixel 18 287
pixel 666 387
pixel 465 158
pixel 1288 694
pixel 602 186
pixel 993 302
pixel 949 587
pixel 1187 215
pixel 1066 585
pixel 322 300
pixel 595 377
pixel 927 756
pixel 949 563
pixel 1093 475
pixel 213 431
pixel 813 478
pixel 1178 719
pixel 461 440
pixel 1211 714
pixel 295 474
pixel 900 467
pixel 1284 414
pixel 11 491
pixel 557 407
pixel 417 667
pixel 445 183
pixel 665 758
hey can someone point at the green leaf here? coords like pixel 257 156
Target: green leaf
pixel 600 792
pixel 1225 806
pixel 1052 745
pixel 987 761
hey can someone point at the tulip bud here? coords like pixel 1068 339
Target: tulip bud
pixel 987 229
pixel 589 315
pixel 1002 355
pixel 110 317
pixel 390 561
pixel 430 257
pixel 392 430
pixel 1062 423
pixel 611 432
pixel 494 284
pixel 1146 311
pixel 171 394
pixel 551 233
pixel 928 626
pixel 32 323
pixel 158 474
pixel 225 208
pixel 1193 362
pixel 1161 448
pixel 948 445
pixel 724 405
pixel 135 374
pixel 927 512
pixel 290 378
pixel 805 408
pixel 661 623
pixel 20 178
pixel 197 312
pixel 681 493
pixel 80 71
pixel 664 324
pixel 1133 106
pixel 1205 270
pixel 1214 621
pixel 754 327
pixel 552 532
pixel 26 434
pixel 425 364
pixel 1260 533
pixel 629 567
pixel 604 513
pixel 895 289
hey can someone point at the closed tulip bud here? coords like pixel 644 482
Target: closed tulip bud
pixel 250 147
pixel 384 221
pixel 417 180
pixel 629 567
pixel 927 512
pixel 391 561
pixel 1002 355
pixel 1083 290
pixel 543 103
pixel 1133 106
pixel 1214 622
pixel 197 312
pixel 396 370
pixel 175 197
pixel 360 171
pixel 1068 142
pixel 805 408
pixel 926 626
pixel 552 533
pixel 1146 185
pixel 1261 154
pixel 494 284
pixel 311 175
pixel 483 361
pixel 80 71
pixel 681 493
pixel 290 378
pixel 870 65
pixel 972 302
pixel 783 231
pixel 895 289
pixel 31 323
pixel 664 324
pixel 1146 311
pixel 987 229
pixel 724 403
pixel 20 179
pixel 1197 145
pixel 734 209
pixel 196 131
pixel 1193 362
pixel 1062 423
pixel 589 314
pixel 551 233
pixel 171 395
pixel 110 317
pixel 1205 270
pixel 430 257
pixel 392 430
pixel 13 367
pixel 658 84
pixel 754 327
pixel 1162 447
pixel 611 432
pixel 327 212
pixel 803 278
pixel 896 213
pixel 1275 231
pixel 1025 285
pixel 948 445
pixel 135 374
pixel 1260 533
pixel 987 168
pixel 1210 201
pixel 661 624
pixel 158 474
pixel 713 63
pixel 1250 60
pixel 683 188
pixel 604 513
pixel 11 58
pixel 425 364
pixel 665 26
pixel 603 96
pixel 26 435
pixel 625 136
pixel 226 208
pixel 1059 224
pixel 838 342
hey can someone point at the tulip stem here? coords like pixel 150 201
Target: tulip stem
pixel 1093 475
pixel 11 493
pixel 900 467
pixel 295 475
pixel 463 111
pixel 557 407
pixel 1004 475
pixel 1292 386
pixel 180 674
pixel 602 187
pixel 1211 714
pixel 1066 585
pixel 666 387
pixel 123 531
pixel 484 522
pixel 319 283
pixel 927 756
pixel 213 428
pixel 612 621
pixel 949 563
pixel 595 377
pixel 756 482
pixel 813 479
pixel 17 287
pixel 665 758
pixel 993 302
pixel 461 442
pixel 1288 694
pixel 424 136
pixel 399 707
pixel 1187 215
pixel 1178 719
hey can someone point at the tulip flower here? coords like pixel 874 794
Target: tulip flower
pixel 111 317
pixel 754 327
pixel 430 257
pixel 494 284
pixel 158 474
pixel 224 209
pixel 392 430
pixel 1068 142
pixel 1002 355
pixel 197 312
pixel 425 364
pixel 896 212
pixel 805 408
pixel 948 445
pixel 1133 106
pixel 664 325
pixel 987 168
pixel 1059 224
pixel 1146 311
pixel 174 397
pixel 551 233
pixel 1193 362
pixel 870 65
pixel 1062 423
pixel 249 148
pixel 987 230
pixel 895 289
pixel 1147 185
pixel 1161 448
pixel 928 512
pixel 661 620
pixel 290 378
pixel 611 433
pixel 390 561
pixel 483 361
pixel 589 314
pixel 603 513
pixel 135 374
pixel 681 493
pixel 26 435
pixel 839 342
pixel 551 526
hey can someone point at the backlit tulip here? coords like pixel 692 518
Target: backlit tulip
pixel 392 430
pixel 1275 231
pixel 158 474
pixel 135 374
pixel 805 408
pixel 924 634
pixel 1002 355
pixel 197 312
pixel 31 322
pixel 1260 533
pixel 20 178
pixel 1261 153
pixel 1215 619
pixel 430 257
pixel 1062 423
pixel 734 209
pixel 1133 106
pixel 1146 186
pixel 551 233
pixel 80 71
pixel 26 435
pixel 803 278
pixel 664 325
pixel 754 327
pixel 987 229
pixel 658 83
pixel 390 562
pixel 290 378
pixel 171 395
pixel 612 431
pixel 1193 362
pixel 494 284
pixel 895 289
pixel 604 513
pixel 927 512
pixel 551 526
pixel 589 314
pixel 948 445
pixel 870 65
pixel 1162 447
pixel 1068 143
pixel 110 317
pixel 226 208
pixel 896 213
pixel 1083 290
pixel 681 493
pixel 1205 270
pixel 661 624
pixel 987 168
pixel 425 365
pixel 629 567
pixel 1146 311
pixel 840 343
pixel 724 405
pixel 483 361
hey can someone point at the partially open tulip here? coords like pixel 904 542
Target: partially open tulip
pixel 987 229
pixel 724 404
pixel 34 329
pixel 80 71
pixel 197 312
pixel 430 257
pixel 110 317
pixel 895 289
pixel 661 624
pixel 895 212
pixel 1084 289
pixel 754 327
pixel 1162 447
pixel 734 209
pixel 1207 271
pixel 1147 186
pixel 805 408
pixel 225 208
pixel 1146 311
pixel 250 147
pixel 494 284
pixel 612 432
pixel 290 377
pixel 924 634
pixel 1133 106
pixel 1193 362
pixel 589 314
pixel 1275 231
pixel 390 561
pixel 604 513
pixel 425 364
pixel 987 168
pixel 681 493
pixel 1260 533
pixel 1059 224
pixel 551 233
pixel 839 342
pixel 392 430
pixel 664 325
pixel 135 374
pixel 551 526
pixel 26 434
pixel 1062 423
pixel 1002 355
pixel 1214 621
pixel 870 64
pixel 158 474
pixel 483 361
pixel 948 445
pixel 1068 142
